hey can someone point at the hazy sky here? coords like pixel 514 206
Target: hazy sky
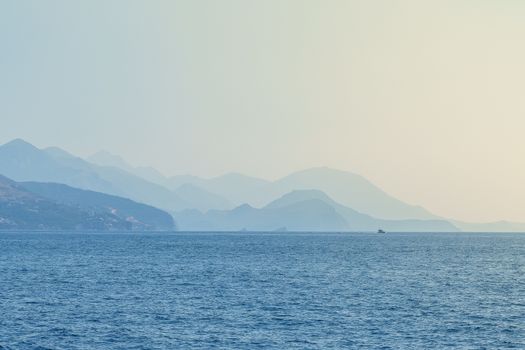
pixel 424 98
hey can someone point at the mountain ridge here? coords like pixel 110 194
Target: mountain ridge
pixel 21 161
pixel 301 210
pixel 140 216
pixel 21 209
pixel 351 195
pixel 349 189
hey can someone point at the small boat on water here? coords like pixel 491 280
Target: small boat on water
pixel 380 231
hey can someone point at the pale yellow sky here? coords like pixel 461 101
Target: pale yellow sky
pixel 424 98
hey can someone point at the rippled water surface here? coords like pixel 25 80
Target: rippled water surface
pixel 252 290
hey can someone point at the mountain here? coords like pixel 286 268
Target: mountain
pixel 21 209
pixel 357 221
pixel 308 210
pixel 188 191
pixel 22 161
pixel 312 215
pixel 176 181
pixel 150 174
pixel 234 187
pixel 200 199
pixel 106 159
pixel 140 216
pixel 360 203
pixel 351 190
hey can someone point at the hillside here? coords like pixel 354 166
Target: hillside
pixel 351 190
pixel 197 198
pixel 140 216
pixel 357 221
pixel 233 187
pixel 21 161
pixel 348 189
pixel 311 215
pixel 21 209
pixel 300 211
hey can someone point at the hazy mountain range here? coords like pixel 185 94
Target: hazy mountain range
pixel 317 199
pixel 235 189
pixel 301 210
pixel 139 216
pixel 49 206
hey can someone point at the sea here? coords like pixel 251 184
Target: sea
pixel 262 290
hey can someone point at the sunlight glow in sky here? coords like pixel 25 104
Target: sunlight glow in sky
pixel 424 98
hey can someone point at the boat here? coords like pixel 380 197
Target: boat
pixel 380 231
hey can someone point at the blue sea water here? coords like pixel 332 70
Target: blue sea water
pixel 262 291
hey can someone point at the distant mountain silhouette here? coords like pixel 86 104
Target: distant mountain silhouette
pixel 21 209
pixel 106 159
pixel 311 215
pixel 351 190
pixel 309 210
pixel 22 161
pixel 190 194
pixel 234 187
pixel 357 221
pixel 200 199
pixel 343 200
pixel 139 216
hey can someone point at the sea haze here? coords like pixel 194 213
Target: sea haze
pixel 110 194
pixel 255 290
